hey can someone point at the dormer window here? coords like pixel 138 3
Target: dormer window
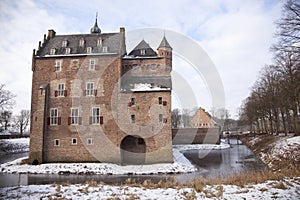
pixel 89 49
pixel 99 42
pixel 64 43
pixel 68 50
pixel 143 52
pixel 81 42
pixel 52 51
pixel 104 49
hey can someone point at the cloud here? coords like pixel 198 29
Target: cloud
pixel 235 34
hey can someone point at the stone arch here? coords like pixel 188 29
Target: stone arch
pixel 133 150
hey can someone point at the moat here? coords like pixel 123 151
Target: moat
pixel 210 164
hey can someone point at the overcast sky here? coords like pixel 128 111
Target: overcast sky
pixel 235 34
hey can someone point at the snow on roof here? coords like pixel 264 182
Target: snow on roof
pixel 148 87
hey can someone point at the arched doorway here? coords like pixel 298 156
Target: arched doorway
pixel 133 150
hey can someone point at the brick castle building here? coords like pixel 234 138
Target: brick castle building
pixel 93 102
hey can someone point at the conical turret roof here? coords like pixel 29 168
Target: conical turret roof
pixel 164 43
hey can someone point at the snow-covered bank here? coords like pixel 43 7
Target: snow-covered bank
pixel 14 145
pixel 95 168
pixel 181 165
pixel 283 189
pixel 278 152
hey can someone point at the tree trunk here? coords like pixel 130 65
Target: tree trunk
pixel 295 116
pixel 277 125
pixel 283 121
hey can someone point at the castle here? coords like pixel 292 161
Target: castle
pixel 93 102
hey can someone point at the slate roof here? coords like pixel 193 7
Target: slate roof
pixel 128 82
pixel 143 45
pixel 113 41
pixel 164 43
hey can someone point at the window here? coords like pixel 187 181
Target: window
pixel 153 67
pixel 58 65
pixel 75 64
pixel 89 49
pixel 89 141
pixel 104 49
pixel 132 119
pixel 52 51
pixel 60 89
pixel 64 43
pixel 160 100
pixel 160 118
pixel 96 116
pixel 92 64
pixel 53 116
pixel 81 42
pixel 74 141
pixel 74 116
pixel 99 42
pixel 89 89
pixel 68 50
pixel 56 142
pixel 132 102
pixel 143 51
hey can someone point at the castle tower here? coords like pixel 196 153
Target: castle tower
pixel 165 50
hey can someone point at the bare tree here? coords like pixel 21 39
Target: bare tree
pixel 22 121
pixel 6 98
pixel 176 118
pixel 5 120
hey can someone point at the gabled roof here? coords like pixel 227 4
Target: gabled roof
pixel 143 49
pixel 112 41
pixel 164 43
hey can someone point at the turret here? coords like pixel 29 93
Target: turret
pixel 165 50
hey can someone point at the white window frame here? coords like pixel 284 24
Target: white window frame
pixel 74 116
pixel 104 49
pixel 64 43
pixel 143 51
pixel 72 141
pixel 89 49
pixel 89 89
pixel 52 51
pixel 89 141
pixel 81 42
pixel 58 65
pixel 92 64
pixel 96 115
pixel 68 50
pixel 60 89
pixel 53 116
pixel 99 42
pixel 58 142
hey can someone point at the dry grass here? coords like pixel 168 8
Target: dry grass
pixel 279 185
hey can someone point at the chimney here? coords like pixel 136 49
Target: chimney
pixel 122 29
pixel 51 33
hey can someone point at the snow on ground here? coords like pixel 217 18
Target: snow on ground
pixel 283 189
pixel 284 152
pixel 14 145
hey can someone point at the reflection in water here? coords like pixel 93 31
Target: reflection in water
pixel 210 164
